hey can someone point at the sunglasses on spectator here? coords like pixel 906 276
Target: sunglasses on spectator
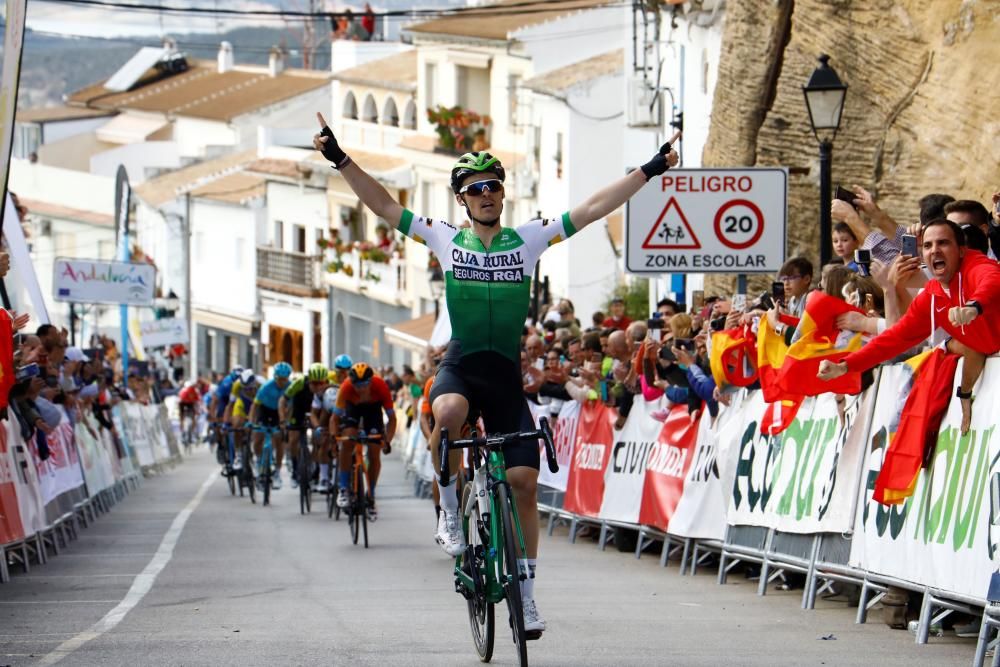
pixel 479 187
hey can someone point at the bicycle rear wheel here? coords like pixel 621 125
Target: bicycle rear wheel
pixel 472 562
pixel 231 479
pixel 511 575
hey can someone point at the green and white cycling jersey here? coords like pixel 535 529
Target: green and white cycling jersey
pixel 487 290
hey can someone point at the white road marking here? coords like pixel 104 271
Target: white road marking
pixel 142 584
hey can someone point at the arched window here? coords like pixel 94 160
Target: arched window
pixel 369 113
pixel 390 116
pixel 350 106
pixel 410 116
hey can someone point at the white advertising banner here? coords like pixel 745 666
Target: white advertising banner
pixel 60 472
pixel 563 437
pixel 94 281
pixel 942 536
pixel 164 333
pixel 135 434
pixel 625 474
pixel 701 512
pixel 804 479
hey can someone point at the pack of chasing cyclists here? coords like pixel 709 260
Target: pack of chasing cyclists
pixel 327 402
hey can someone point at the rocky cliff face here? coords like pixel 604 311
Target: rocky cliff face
pixel 923 105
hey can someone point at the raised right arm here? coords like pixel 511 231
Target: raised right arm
pixel 369 191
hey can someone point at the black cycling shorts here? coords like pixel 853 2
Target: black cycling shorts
pixel 187 409
pixel 365 417
pixel 492 384
pixel 268 417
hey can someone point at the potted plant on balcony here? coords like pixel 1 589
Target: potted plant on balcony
pixel 458 128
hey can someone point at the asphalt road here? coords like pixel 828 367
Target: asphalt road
pixel 249 585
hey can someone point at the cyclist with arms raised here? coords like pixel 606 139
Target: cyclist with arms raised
pixel 360 402
pixel 487 280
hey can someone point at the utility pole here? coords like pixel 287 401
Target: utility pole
pixel 186 240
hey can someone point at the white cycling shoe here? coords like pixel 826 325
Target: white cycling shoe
pixel 533 621
pixel 449 533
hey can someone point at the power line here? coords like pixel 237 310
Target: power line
pixel 526 7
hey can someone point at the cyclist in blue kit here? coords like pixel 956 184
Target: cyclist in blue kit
pixel 488 271
pixel 265 412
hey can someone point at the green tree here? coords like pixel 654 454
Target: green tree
pixel 636 296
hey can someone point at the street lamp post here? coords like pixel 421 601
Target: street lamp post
pixel 825 95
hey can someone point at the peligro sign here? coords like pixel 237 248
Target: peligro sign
pixel 708 221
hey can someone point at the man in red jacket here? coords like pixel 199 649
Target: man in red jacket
pixel 963 299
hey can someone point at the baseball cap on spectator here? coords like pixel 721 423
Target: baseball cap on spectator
pixel 76 354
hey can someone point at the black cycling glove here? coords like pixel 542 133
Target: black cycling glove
pixel 332 150
pixel 658 164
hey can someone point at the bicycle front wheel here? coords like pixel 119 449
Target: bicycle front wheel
pixel 511 575
pixel 473 563
pixel 304 490
pixel 356 508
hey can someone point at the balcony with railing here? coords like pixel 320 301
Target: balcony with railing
pixel 374 274
pixel 293 272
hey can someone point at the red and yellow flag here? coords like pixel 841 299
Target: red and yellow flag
pixel 927 393
pixel 732 359
pixel 6 358
pixel 817 338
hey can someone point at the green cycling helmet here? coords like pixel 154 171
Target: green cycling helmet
pixel 318 373
pixel 475 163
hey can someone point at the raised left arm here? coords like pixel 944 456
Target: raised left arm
pixel 609 198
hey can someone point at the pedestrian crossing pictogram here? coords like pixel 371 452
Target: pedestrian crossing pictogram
pixel 671 230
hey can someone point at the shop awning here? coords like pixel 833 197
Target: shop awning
pixel 418 333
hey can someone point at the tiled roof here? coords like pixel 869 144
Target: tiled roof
pixel 236 188
pixel 373 162
pixel 558 81
pixel 202 92
pixel 73 152
pixel 167 187
pixel 52 114
pixel 496 23
pixel 397 72
pixel 48 209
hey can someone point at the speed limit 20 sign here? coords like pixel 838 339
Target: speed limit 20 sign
pixel 708 221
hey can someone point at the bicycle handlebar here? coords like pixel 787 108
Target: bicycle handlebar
pixel 496 442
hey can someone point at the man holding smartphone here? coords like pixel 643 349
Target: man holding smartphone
pixel 963 299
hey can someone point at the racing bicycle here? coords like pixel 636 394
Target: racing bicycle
pixel 265 466
pixel 486 573
pixel 357 510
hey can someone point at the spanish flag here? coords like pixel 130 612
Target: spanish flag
pixel 782 407
pixel 6 358
pixel 732 358
pixel 771 352
pixel 927 393
pixel 817 338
